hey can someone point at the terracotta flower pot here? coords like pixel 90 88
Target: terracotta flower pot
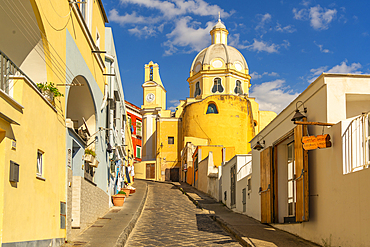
pixel 127 191
pixel 132 191
pixel 118 199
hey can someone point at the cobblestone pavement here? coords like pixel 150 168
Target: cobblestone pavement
pixel 169 218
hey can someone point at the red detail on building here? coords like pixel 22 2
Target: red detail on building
pixel 134 119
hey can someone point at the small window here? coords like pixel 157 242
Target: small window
pixel 212 109
pixel 197 90
pixel 171 140
pixel 138 128
pixel 151 73
pixel 138 152
pixel 40 164
pixel 217 86
pixel 238 87
pixel 249 184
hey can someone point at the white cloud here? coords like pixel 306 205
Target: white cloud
pixel 301 14
pixel 319 18
pixel 145 31
pixel 255 75
pixel 186 34
pixel 273 95
pixel 233 40
pixel 321 48
pixel 263 46
pixel 174 104
pixel 306 3
pixel 127 18
pixel 342 68
pixel 286 29
pixel 263 20
pixel 174 8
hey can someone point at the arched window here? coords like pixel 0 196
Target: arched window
pixel 197 90
pixel 238 87
pixel 212 109
pixel 217 86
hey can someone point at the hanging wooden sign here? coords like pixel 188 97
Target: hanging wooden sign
pixel 313 142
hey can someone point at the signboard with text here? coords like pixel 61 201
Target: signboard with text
pixel 314 142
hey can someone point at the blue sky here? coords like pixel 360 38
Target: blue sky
pixel 287 44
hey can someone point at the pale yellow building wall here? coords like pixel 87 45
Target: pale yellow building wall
pixel 168 154
pixel 195 141
pixel 140 170
pixel 40 218
pixel 264 118
pixel 217 152
pixel 228 81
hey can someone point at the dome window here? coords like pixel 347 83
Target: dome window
pixel 217 86
pixel 212 109
pixel 238 87
pixel 197 90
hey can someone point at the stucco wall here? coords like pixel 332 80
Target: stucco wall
pixel 338 202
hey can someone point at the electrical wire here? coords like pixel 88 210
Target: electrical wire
pixel 57 63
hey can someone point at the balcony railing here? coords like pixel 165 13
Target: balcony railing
pixel 355 144
pixel 7 70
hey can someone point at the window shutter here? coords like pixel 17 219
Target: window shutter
pixel 301 164
pixel 266 184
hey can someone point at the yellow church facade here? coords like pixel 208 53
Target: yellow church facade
pixel 219 114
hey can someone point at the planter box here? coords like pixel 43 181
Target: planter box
pixel 95 163
pixel 89 158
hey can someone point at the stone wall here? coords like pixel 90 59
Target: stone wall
pixel 89 203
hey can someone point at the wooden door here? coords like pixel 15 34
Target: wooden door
pixel 150 171
pixel 232 185
pixel 266 184
pixel 301 168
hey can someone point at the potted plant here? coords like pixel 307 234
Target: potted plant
pixel 90 157
pixel 126 190
pixel 119 199
pixel 49 90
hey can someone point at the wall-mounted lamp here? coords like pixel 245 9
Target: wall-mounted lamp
pixel 161 144
pixel 259 145
pixel 298 115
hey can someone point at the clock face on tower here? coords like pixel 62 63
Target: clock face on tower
pixel 150 97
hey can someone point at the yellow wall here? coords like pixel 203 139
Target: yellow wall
pixel 30 209
pixel 231 127
pixel 206 81
pixel 168 154
pixel 217 153
pixel 32 206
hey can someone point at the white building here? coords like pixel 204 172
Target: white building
pixel 320 194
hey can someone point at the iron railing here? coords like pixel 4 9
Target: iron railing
pixel 8 69
pixel 355 144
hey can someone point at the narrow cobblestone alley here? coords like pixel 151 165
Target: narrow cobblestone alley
pixel 169 218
